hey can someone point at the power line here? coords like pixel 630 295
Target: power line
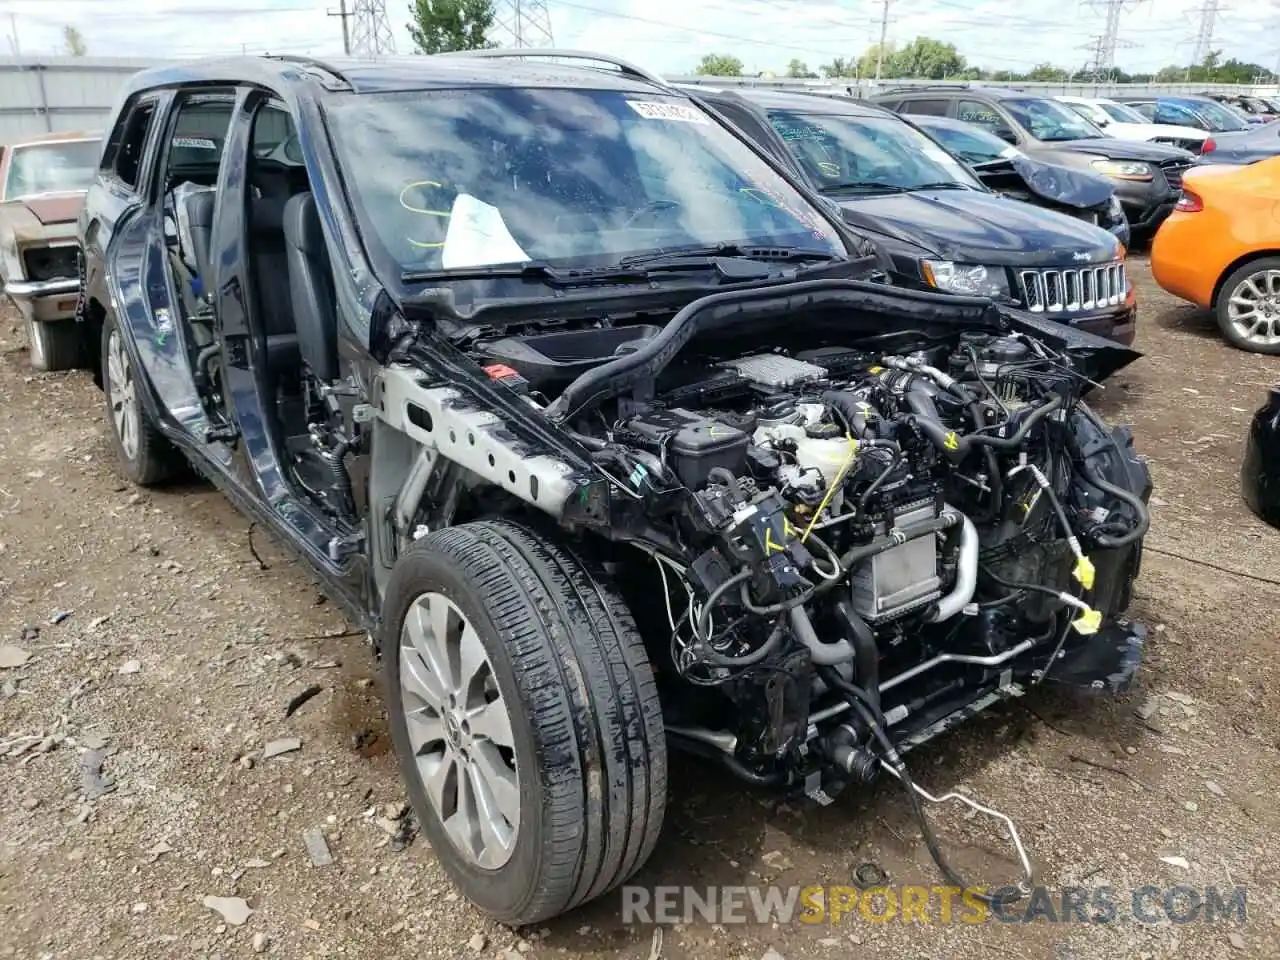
pixel 1208 24
pixel 525 23
pixel 370 30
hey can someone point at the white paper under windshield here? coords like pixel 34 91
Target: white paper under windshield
pixel 478 236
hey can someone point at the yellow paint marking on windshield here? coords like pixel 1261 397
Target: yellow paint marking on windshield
pixel 425 211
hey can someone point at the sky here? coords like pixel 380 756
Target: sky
pixel 670 36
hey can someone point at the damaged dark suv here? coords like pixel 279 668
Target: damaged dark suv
pixel 587 412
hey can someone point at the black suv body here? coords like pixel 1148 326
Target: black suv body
pixel 1147 176
pixel 936 221
pixel 585 410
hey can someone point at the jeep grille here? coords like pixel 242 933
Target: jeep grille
pixel 1070 291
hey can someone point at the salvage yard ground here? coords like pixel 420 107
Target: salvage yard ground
pixel 165 643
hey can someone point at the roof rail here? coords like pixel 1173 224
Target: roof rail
pixel 624 67
pixel 310 62
pixel 956 85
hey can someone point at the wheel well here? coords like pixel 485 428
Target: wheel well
pixel 1236 265
pixel 94 316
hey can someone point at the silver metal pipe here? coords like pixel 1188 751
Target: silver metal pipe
pixel 822 654
pixel 966 575
pixel 994 660
pixel 722 740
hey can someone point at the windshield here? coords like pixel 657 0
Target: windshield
pixel 1219 118
pixel 1051 121
pixel 473 178
pixel 848 152
pixel 1122 114
pixel 971 144
pixel 55 167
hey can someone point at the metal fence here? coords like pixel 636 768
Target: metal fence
pixel 43 94
pixel 868 88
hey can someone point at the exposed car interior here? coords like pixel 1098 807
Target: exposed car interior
pixel 289 281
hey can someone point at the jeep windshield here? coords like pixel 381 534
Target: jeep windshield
pixel 474 178
pixel 1051 121
pixel 57 166
pixel 842 153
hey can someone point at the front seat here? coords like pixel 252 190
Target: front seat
pixel 311 287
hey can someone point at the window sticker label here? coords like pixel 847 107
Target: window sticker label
pixel 195 143
pixel 1009 152
pixel 655 110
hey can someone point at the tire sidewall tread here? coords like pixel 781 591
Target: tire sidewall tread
pixel 566 654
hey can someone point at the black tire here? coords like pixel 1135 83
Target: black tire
pixel 588 736
pixel 152 459
pixel 1223 305
pixel 55 345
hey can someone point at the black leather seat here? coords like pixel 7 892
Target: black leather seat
pixel 198 213
pixel 270 270
pixel 311 287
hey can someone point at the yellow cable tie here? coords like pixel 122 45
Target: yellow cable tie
pixel 1084 572
pixel 1088 622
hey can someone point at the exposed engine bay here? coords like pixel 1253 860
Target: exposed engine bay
pixel 855 545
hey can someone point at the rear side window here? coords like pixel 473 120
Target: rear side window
pixel 1148 110
pixel 122 157
pixel 197 138
pixel 928 108
pixel 985 116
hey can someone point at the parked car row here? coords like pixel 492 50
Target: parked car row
pixel 625 418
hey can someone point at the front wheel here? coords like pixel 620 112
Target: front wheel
pixel 525 719
pixel 1248 307
pixel 145 456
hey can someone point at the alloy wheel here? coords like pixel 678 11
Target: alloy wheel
pixel 1253 308
pixel 460 730
pixel 123 395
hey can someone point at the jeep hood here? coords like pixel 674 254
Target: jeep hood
pixel 1057 184
pixel 978 227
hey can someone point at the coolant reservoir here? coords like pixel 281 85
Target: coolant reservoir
pixel 828 456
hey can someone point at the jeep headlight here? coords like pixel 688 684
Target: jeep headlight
pixel 967 279
pixel 1124 169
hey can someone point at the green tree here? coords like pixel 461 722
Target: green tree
pixel 1048 73
pixel 798 69
pixel 926 58
pixel 73 39
pixel 718 65
pixel 441 26
pixel 839 67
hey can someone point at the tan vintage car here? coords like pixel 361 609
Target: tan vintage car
pixel 42 186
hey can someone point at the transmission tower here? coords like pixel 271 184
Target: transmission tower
pixel 371 34
pixel 1208 25
pixel 522 23
pixel 1105 45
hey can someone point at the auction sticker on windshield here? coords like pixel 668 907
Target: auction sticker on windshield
pixel 656 110
pixel 940 156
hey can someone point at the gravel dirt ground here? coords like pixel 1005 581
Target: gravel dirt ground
pixel 134 781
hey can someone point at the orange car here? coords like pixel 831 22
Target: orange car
pixel 1220 249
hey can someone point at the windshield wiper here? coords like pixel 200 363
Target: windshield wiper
pixel 868 185
pixel 629 270
pixel 689 257
pixel 944 185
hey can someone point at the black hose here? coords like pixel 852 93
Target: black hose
pixel 867 655
pixel 704 618
pixel 1135 503
pixel 861 701
pixel 957 447
pixel 771 609
pixel 849 409
pixel 770 644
